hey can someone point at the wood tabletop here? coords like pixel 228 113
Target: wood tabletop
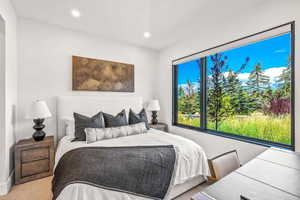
pixel 31 141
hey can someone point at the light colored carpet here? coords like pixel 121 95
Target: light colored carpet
pixel 41 190
pixel 34 190
pixel 192 192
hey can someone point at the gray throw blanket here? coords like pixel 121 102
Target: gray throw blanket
pixel 142 170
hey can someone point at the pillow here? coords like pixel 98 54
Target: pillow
pixel 137 118
pixel 70 126
pixel 96 134
pixel 115 121
pixel 82 122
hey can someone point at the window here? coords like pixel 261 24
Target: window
pixel 188 95
pixel 243 89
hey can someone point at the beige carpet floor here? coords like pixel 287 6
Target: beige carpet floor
pixel 41 190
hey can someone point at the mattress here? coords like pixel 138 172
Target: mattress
pixel 191 163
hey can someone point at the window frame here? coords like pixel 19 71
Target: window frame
pixel 203 96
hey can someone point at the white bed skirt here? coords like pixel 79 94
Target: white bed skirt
pixel 80 191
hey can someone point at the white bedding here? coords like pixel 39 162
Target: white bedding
pixel 191 162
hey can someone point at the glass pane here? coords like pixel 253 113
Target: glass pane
pixel 249 90
pixel 188 99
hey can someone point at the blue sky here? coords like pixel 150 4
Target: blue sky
pixel 271 53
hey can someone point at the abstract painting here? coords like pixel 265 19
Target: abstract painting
pixel 102 75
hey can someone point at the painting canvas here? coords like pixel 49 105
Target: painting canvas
pixel 101 75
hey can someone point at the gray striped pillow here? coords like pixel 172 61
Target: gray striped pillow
pixel 96 134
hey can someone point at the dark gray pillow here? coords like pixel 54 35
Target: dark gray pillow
pixel 115 121
pixel 82 122
pixel 137 118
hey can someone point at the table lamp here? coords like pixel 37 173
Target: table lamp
pixel 39 111
pixel 153 106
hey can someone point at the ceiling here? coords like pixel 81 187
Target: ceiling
pixel 126 20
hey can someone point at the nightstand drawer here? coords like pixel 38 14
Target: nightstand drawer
pixel 34 154
pixel 36 167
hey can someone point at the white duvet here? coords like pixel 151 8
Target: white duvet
pixel 191 162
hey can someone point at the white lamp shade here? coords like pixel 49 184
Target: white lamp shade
pixel 39 110
pixel 153 105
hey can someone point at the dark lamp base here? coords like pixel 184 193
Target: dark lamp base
pixel 39 134
pixel 154 117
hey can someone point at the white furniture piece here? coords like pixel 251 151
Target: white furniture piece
pixel 191 169
pixel 224 164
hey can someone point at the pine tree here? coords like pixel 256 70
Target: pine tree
pixel 189 103
pixel 258 82
pixel 234 90
pixel 232 87
pixel 216 91
pixel 189 88
pixel 180 92
pixel 243 107
pixel 180 100
pixel 284 80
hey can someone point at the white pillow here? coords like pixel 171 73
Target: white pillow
pixel 69 126
pixel 96 134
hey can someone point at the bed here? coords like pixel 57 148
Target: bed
pixel 191 168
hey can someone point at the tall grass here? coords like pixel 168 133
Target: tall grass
pixel 265 127
pixel 188 121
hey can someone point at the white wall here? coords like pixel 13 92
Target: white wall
pixel 2 77
pixel 265 15
pixel 10 94
pixel 45 69
pixel 2 96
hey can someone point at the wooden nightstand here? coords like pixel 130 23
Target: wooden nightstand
pixel 33 160
pixel 159 126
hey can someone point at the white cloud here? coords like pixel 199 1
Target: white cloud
pixel 274 72
pixel 280 51
pixel 241 76
pixel 194 84
pixel 244 76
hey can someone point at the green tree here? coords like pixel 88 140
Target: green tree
pixel 189 101
pixel 257 83
pixel 284 80
pixel 218 106
pixel 243 107
pixel 181 96
pixel 180 92
pixel 235 91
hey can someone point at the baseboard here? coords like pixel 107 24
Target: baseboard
pixel 6 186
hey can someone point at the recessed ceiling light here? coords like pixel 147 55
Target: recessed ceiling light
pixel 147 34
pixel 75 13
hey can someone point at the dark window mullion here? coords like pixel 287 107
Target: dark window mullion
pixel 175 94
pixel 293 85
pixel 203 93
